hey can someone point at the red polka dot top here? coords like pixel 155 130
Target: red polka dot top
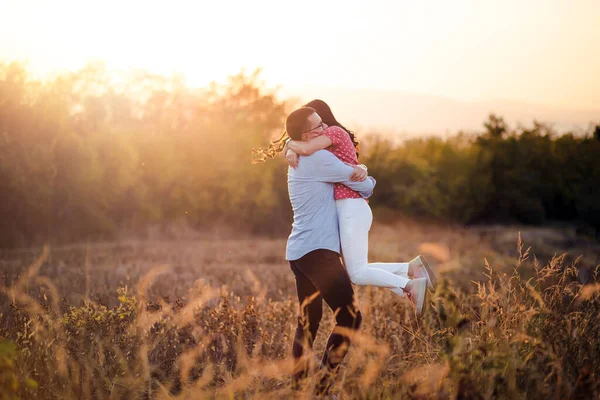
pixel 342 148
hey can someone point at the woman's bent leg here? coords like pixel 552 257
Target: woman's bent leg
pixel 355 220
pixel 395 268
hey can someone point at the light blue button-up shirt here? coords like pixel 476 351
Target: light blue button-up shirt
pixel 310 187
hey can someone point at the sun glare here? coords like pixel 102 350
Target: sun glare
pixel 464 49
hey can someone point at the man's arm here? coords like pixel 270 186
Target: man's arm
pixel 359 186
pixel 326 167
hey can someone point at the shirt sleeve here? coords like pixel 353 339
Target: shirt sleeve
pixel 325 167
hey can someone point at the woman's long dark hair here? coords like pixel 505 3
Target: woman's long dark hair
pixel 327 117
pixel 274 148
pixel 277 146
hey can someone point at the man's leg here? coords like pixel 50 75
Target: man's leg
pixel 327 274
pixel 310 313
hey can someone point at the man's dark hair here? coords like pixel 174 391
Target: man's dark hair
pixel 297 122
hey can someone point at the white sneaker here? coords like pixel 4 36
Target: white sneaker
pixel 417 292
pixel 421 269
pixel 399 291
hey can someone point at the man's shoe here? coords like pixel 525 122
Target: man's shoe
pixel 421 269
pixel 417 292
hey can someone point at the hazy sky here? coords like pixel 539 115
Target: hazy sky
pixel 539 51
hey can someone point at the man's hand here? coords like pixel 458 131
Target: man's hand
pixel 359 174
pixel 291 158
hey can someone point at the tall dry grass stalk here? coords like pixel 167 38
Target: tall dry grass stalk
pixel 508 337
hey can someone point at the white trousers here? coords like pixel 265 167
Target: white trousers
pixel 355 219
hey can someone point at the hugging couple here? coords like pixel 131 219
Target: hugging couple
pixel 328 191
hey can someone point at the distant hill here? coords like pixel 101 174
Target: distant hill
pixel 412 114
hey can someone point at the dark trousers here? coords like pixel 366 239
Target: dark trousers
pixel 320 276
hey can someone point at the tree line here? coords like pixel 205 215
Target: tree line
pixel 90 154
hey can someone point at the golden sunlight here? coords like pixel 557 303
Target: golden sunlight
pixel 168 206
pixel 467 50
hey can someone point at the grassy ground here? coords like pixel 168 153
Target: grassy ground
pixel 206 317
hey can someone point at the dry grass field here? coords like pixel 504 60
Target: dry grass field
pixel 213 316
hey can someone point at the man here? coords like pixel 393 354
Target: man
pixel 313 248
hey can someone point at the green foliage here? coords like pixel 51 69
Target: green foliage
pixel 526 175
pixel 90 154
pixel 93 319
pixel 11 383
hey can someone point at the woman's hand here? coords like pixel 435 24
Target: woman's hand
pixel 359 174
pixel 292 158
